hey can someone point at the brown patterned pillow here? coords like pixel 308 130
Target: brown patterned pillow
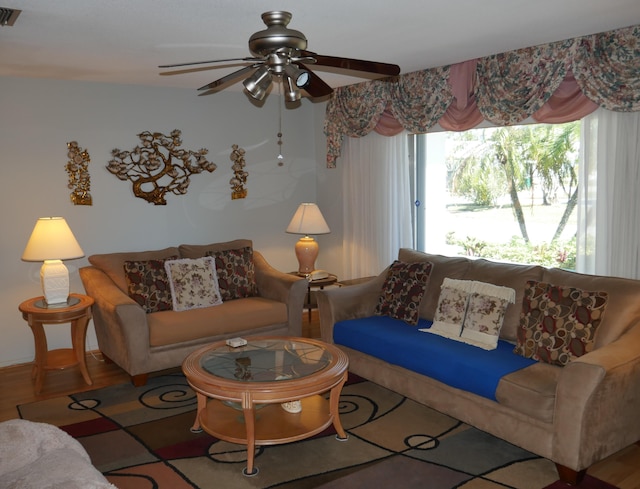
pixel 558 324
pixel 403 290
pixel 148 284
pixel 236 273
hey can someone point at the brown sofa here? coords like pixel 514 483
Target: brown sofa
pixel 574 415
pixel 141 342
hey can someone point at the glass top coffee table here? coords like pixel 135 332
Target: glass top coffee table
pixel 243 392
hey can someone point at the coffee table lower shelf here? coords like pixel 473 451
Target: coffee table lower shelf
pixel 273 424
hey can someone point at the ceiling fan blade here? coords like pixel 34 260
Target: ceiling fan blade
pixel 230 77
pixel 211 61
pixel 354 64
pixel 316 87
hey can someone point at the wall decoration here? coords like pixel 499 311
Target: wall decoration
pixel 159 166
pixel 78 170
pixel 239 175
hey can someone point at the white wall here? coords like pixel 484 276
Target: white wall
pixel 38 117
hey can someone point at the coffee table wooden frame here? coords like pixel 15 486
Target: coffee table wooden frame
pixel 275 425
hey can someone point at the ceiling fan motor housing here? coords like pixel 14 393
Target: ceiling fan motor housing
pixel 277 36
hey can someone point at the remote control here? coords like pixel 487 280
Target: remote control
pixel 236 342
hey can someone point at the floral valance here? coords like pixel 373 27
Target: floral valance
pixel 556 82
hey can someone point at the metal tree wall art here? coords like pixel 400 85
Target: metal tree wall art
pixel 239 175
pixel 159 166
pixel 78 170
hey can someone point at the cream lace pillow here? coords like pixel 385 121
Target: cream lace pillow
pixel 471 312
pixel 194 283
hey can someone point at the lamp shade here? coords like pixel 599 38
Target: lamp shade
pixel 308 220
pixel 51 242
pixel 52 239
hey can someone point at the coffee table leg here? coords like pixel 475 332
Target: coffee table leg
pixel 202 403
pixel 334 408
pixel 250 425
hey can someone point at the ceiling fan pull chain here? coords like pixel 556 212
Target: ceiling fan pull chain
pixel 280 157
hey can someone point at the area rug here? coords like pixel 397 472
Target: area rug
pixel 139 438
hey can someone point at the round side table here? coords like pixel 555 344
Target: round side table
pixel 76 311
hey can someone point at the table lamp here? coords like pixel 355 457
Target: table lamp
pixel 52 241
pixel 307 220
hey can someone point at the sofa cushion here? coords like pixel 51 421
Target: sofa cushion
pixel 197 251
pixel 227 319
pixel 403 290
pixel 558 323
pixel 194 283
pixel 531 391
pixel 451 362
pixel 236 273
pixel 113 263
pixel 443 266
pixel 148 284
pixel 623 299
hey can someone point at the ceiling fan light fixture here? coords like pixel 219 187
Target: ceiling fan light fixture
pixel 258 83
pixel 301 77
pixel 291 94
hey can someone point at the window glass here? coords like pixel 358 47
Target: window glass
pixel 505 193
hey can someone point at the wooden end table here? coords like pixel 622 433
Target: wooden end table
pixel 321 283
pixel 240 390
pixel 76 311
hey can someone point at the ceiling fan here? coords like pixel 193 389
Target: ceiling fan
pixel 281 52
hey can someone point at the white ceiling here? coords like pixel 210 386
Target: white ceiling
pixel 124 41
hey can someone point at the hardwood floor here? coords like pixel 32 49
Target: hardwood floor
pixel 621 469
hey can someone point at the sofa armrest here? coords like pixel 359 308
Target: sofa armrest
pixel 348 302
pixel 597 403
pixel 120 323
pixel 282 287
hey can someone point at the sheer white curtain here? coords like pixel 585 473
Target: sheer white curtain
pixel 609 209
pixel 377 202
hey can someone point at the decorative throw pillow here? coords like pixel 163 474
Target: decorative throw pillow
pixel 452 307
pixel 485 314
pixel 236 273
pixel 558 324
pixel 194 283
pixel 471 312
pixel 403 290
pixel 148 284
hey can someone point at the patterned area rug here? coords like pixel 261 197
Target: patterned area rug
pixel 139 438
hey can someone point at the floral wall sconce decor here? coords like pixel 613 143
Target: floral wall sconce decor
pixel 239 175
pixel 78 170
pixel 159 166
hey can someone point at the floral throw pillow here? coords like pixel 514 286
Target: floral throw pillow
pixel 194 283
pixel 558 324
pixel 403 290
pixel 148 284
pixel 484 318
pixel 236 273
pixel 452 308
pixel 471 312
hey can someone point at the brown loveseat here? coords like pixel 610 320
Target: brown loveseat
pixel 574 415
pixel 142 342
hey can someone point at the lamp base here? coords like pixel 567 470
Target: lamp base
pixel 306 251
pixel 54 278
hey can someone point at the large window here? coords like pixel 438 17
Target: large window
pixel 507 193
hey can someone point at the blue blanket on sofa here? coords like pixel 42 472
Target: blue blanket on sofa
pixel 451 362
